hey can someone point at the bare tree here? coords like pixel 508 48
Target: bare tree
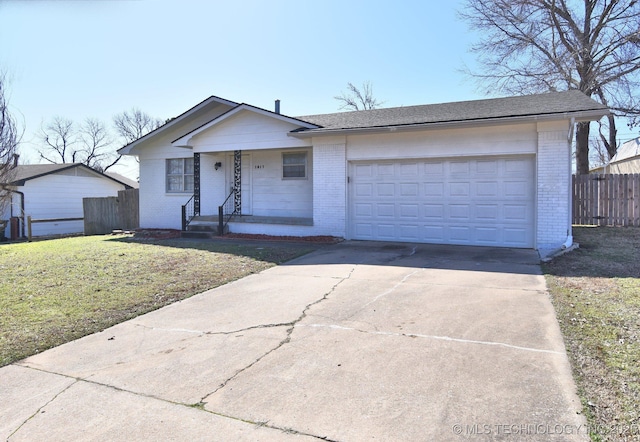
pixel 531 46
pixel 59 139
pixel 91 143
pixel 96 145
pixel 133 124
pixel 358 99
pixel 9 139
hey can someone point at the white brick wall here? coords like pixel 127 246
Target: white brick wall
pixel 553 180
pixel 329 189
pixel 159 209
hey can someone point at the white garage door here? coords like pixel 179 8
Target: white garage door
pixel 483 201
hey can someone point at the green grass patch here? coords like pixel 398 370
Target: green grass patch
pixel 596 293
pixel 55 291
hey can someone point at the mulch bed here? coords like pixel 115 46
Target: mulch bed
pixel 149 234
pixel 310 239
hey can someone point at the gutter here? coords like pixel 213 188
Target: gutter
pixel 574 116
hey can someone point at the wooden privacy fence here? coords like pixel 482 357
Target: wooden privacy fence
pixel 606 199
pixel 103 215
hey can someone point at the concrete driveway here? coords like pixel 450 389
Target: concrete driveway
pixel 357 341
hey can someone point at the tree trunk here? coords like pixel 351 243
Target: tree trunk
pixel 582 148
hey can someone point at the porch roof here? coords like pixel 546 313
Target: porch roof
pixel 184 140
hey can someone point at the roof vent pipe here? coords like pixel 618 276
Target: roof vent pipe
pixel 15 160
pixel 277 106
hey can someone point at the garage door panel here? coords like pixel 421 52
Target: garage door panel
pixel 434 234
pixel 489 167
pixel 459 167
pixel 409 169
pixel 409 189
pixel 484 201
pixel 386 169
pixel 459 212
pixel 460 234
pixel 434 189
pixel 487 189
pixel 386 210
pixel 459 190
pixel 363 170
pixel 363 230
pixel 516 212
pixel 409 232
pixel 515 236
pixel 363 210
pixel 487 236
pixel 434 212
pixel 516 189
pixel 385 190
pixel 387 231
pixel 363 190
pixel 487 212
pixel 408 211
pixel 434 169
pixel 517 166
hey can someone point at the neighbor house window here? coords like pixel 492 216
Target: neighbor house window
pixel 294 165
pixel 180 175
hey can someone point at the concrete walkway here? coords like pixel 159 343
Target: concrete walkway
pixel 357 341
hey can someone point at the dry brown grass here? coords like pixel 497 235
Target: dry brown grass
pixel 596 293
pixel 58 290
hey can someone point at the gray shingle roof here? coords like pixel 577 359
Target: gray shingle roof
pixel 29 171
pixel 521 106
pixel 25 172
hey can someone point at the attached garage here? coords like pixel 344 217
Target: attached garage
pixel 486 201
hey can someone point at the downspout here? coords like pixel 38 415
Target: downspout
pixel 569 242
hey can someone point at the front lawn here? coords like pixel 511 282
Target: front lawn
pixel 596 293
pixel 55 291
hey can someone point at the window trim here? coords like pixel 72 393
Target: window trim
pixel 305 164
pixel 183 175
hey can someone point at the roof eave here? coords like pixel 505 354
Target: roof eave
pixel 126 150
pixel 185 140
pixel 578 116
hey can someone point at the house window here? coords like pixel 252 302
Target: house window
pixel 294 165
pixel 180 175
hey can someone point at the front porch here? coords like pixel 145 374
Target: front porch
pixel 203 226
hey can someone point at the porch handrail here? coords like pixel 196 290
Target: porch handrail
pixel 188 212
pixel 225 213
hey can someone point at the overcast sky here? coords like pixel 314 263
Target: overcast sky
pixel 95 58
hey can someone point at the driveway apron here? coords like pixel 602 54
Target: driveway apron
pixel 357 341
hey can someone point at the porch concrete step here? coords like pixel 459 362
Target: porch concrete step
pixel 197 235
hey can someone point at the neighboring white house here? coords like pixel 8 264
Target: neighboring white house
pixel 55 191
pixel 492 172
pixel 626 159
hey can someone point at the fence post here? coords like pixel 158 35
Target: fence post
pixel 29 228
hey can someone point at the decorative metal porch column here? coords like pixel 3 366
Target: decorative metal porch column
pixel 196 183
pixel 237 181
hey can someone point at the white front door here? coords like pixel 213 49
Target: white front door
pixel 245 182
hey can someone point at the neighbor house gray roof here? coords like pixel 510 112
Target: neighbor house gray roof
pixel 26 172
pixel 550 104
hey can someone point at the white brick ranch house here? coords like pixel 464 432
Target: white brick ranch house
pixel 492 172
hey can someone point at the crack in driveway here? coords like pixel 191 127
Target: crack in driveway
pixel 285 341
pixel 434 337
